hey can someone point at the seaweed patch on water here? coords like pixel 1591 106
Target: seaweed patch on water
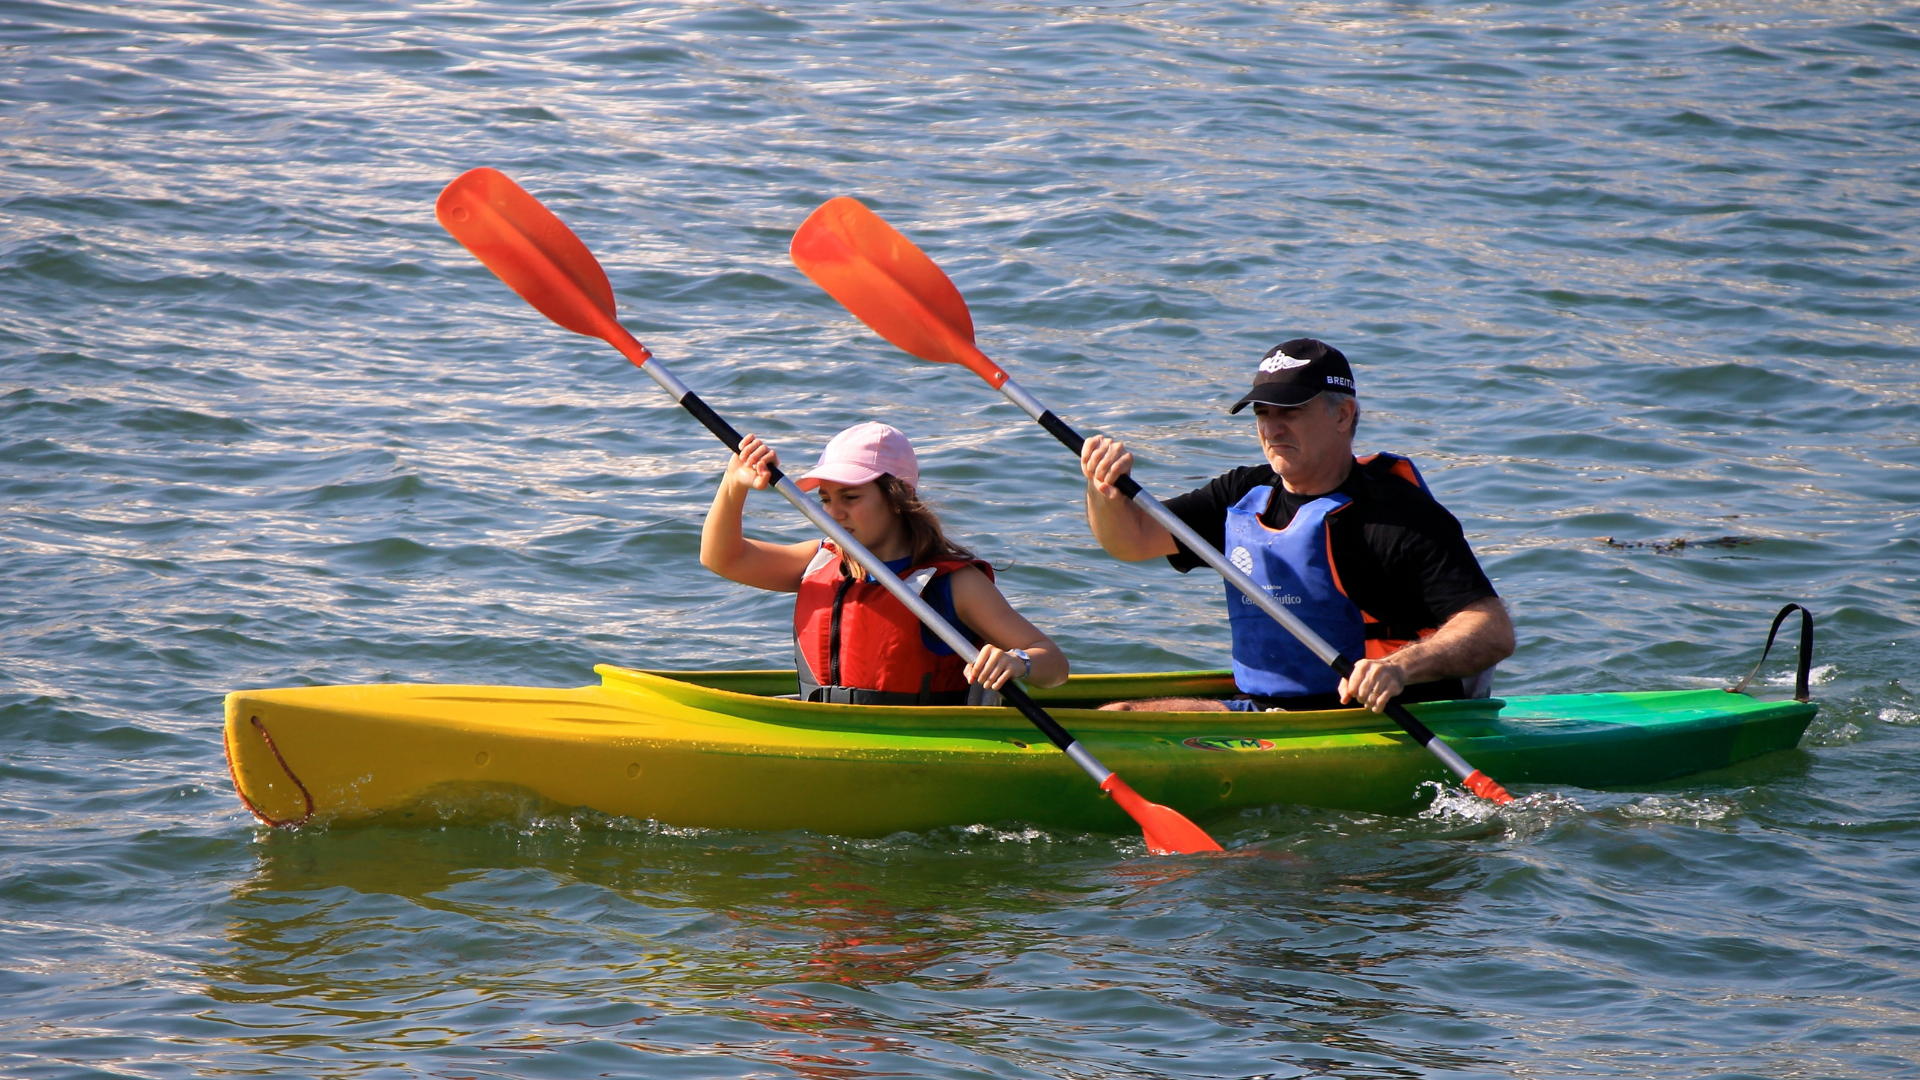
pixel 1680 543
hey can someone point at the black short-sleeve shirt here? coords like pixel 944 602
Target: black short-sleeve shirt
pixel 1400 555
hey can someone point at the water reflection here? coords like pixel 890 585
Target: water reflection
pixel 830 958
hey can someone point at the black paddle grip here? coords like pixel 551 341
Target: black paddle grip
pixel 1421 733
pixel 1016 697
pixel 1071 440
pixel 1396 712
pixel 1059 429
pixel 704 413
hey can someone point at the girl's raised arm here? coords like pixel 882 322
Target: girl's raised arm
pixel 725 549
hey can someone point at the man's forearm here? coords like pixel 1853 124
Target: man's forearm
pixel 1124 530
pixel 1477 637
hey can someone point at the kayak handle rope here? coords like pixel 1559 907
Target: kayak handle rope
pixel 1800 687
pixel 289 823
pixel 1471 778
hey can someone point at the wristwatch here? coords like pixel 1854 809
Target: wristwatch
pixel 1022 654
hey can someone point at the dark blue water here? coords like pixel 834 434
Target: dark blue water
pixel 1610 272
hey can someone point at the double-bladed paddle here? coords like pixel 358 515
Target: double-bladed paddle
pixel 541 259
pixel 893 287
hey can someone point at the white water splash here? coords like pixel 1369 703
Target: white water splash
pixel 1819 675
pixel 1524 815
pixel 1681 808
pixel 1026 835
pixel 1825 732
pixel 583 822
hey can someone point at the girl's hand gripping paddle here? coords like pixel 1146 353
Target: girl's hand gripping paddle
pixel 893 287
pixel 542 260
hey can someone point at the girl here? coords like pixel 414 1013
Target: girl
pixel 853 642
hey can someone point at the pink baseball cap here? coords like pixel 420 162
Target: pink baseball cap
pixel 862 453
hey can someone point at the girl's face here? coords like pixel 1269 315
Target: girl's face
pixel 865 512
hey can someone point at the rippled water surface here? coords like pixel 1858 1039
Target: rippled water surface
pixel 1617 274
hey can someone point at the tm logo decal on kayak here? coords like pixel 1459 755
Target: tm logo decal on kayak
pixel 1226 742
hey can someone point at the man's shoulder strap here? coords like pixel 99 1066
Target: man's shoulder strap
pixel 1384 465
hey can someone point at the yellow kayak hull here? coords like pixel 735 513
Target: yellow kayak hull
pixel 715 750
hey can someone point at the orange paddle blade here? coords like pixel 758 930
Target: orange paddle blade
pixel 530 249
pixel 1167 830
pixel 889 284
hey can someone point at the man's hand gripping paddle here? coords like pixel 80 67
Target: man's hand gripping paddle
pixel 893 287
pixel 542 260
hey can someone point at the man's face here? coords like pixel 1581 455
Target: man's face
pixel 1301 441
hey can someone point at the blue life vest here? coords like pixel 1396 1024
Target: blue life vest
pixel 1295 566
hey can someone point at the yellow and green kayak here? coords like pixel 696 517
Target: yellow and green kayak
pixel 723 750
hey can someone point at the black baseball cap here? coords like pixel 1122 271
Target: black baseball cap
pixel 1295 372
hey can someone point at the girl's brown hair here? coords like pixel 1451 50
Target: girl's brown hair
pixel 925 537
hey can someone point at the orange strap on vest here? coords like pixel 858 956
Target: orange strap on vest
pixel 1400 467
pixel 1380 640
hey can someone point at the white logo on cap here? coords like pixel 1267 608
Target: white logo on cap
pixel 1243 559
pixel 1280 361
pixel 1335 380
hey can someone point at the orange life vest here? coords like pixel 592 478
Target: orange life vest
pixel 1381 639
pixel 855 644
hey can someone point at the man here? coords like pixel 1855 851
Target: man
pixel 1376 566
